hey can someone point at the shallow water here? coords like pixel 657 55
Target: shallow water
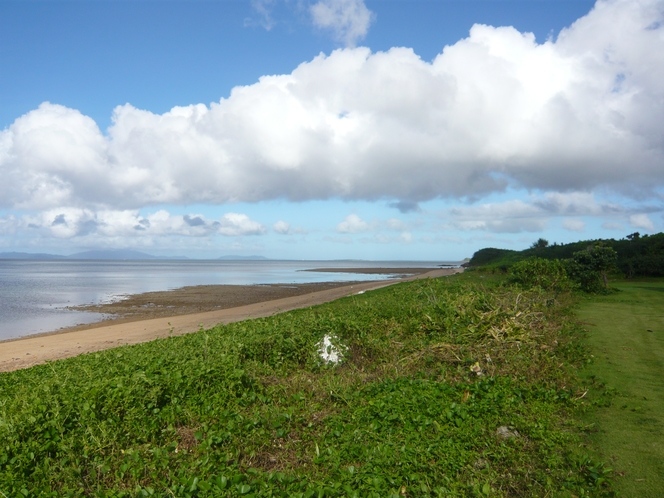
pixel 34 294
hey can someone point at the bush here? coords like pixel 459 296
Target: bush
pixel 548 274
pixel 589 268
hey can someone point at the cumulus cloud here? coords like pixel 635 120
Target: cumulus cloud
pixel 284 228
pixel 353 224
pixel 642 221
pixel 533 214
pixel 281 227
pixel 234 224
pixel 349 20
pixel 67 223
pixel 577 113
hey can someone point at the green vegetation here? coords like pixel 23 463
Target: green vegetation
pixel 590 267
pixel 587 270
pixel 495 257
pixel 448 387
pixel 637 256
pixel 626 334
pixel 547 274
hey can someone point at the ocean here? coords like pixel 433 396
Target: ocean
pixel 34 294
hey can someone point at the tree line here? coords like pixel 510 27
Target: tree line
pixel 585 262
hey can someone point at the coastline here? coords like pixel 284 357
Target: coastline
pixel 35 349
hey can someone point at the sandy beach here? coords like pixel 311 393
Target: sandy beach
pixel 145 317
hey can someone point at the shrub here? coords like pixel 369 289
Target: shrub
pixel 589 268
pixel 548 274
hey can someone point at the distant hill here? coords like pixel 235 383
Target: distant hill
pixel 243 258
pixel 121 254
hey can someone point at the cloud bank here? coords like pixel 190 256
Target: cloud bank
pixel 537 212
pixel 66 223
pixel 573 114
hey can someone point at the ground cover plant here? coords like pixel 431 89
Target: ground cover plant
pixel 445 387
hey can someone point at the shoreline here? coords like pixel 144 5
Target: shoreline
pixel 31 350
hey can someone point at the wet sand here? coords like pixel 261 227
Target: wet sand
pixel 199 299
pixel 153 315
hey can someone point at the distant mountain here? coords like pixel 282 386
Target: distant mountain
pixel 120 254
pixel 243 258
pixel 114 254
pixel 28 255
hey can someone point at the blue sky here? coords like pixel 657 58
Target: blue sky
pixel 325 129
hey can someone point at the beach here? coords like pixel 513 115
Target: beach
pixel 148 316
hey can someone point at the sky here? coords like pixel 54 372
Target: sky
pixel 328 129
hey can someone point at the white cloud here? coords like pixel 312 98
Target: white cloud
pixel 281 227
pixel 234 224
pixel 9 225
pixel 574 224
pixel 507 217
pixel 504 226
pixel 264 10
pixel 532 214
pixel 285 228
pixel 398 225
pixel 353 224
pixel 579 113
pixel 349 20
pixel 641 221
pixel 67 223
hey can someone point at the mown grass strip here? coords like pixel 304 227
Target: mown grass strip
pixel 449 387
pixel 626 334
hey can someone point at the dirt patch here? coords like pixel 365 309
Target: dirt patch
pixel 187 438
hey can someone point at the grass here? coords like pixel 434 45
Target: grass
pixel 449 387
pixel 626 334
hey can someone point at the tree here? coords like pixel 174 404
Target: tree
pixel 540 244
pixel 590 267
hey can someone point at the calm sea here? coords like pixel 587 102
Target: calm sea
pixel 34 294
